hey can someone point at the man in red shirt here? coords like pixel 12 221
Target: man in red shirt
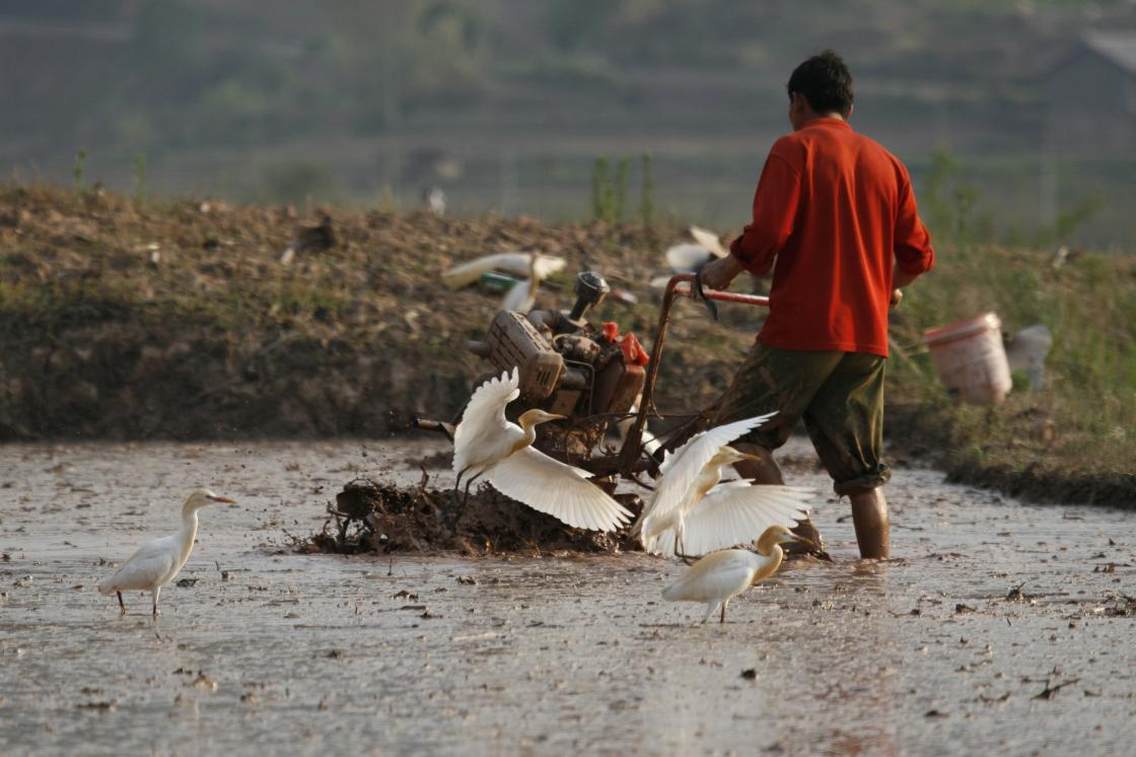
pixel 834 218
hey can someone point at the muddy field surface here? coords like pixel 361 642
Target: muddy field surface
pixel 998 627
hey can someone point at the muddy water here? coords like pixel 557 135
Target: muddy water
pixel 275 652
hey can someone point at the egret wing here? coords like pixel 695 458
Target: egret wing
pixel 544 266
pixel 519 297
pixel 737 513
pixel 151 563
pixel 469 272
pixel 550 486
pixel 682 467
pixel 519 263
pixel 484 417
pixel 709 240
pixel 686 257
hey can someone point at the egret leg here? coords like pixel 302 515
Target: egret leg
pixel 121 604
pixel 724 606
pixel 468 484
pixel 710 608
pixel 680 550
pixel 458 483
pixel 456 499
pixel 156 592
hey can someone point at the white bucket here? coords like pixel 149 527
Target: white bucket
pixel 970 359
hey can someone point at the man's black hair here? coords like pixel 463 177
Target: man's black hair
pixel 825 82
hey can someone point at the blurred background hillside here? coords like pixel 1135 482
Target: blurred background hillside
pixel 1025 110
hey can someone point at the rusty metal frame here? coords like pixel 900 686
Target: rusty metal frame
pixel 632 446
pixel 629 460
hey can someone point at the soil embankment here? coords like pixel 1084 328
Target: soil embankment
pixel 191 320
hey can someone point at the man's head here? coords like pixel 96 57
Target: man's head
pixel 821 86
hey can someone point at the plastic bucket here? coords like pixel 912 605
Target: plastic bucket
pixel 970 359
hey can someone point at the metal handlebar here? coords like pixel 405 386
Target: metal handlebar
pixel 631 446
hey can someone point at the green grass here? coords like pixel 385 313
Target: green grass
pixel 1089 405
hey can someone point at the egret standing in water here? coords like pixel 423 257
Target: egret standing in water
pixel 487 444
pixel 691 513
pixel 158 562
pixel 721 576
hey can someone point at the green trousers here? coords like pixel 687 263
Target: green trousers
pixel 840 396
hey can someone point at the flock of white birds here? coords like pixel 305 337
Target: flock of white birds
pixel 692 511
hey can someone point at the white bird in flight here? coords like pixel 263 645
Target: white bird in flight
pixel 688 257
pixel 158 562
pixel 487 444
pixel 721 576
pixel 522 296
pixel 517 263
pixel 691 513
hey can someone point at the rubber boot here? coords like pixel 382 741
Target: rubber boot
pixel 870 518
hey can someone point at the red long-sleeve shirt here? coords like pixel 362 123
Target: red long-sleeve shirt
pixel 833 214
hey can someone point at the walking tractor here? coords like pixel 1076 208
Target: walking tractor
pixel 602 382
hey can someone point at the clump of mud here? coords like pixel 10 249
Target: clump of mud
pixel 383 518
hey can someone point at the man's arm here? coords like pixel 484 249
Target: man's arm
pixel 774 211
pixel 913 253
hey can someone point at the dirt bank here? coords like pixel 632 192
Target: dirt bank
pixel 185 320
pixel 182 321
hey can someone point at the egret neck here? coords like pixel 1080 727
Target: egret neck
pixel 528 421
pixel 187 534
pixel 709 476
pixel 769 547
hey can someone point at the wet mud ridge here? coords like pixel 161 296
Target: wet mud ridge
pixel 385 518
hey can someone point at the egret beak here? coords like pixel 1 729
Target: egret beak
pixel 224 500
pixel 802 540
pixel 749 456
pixel 554 417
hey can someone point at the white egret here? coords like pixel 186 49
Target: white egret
pixel 487 444
pixel 434 200
pixel 158 562
pixel 687 257
pixel 522 296
pixel 720 576
pixel 518 263
pixel 691 513
pixel 709 240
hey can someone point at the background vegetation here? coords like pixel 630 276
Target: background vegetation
pixel 185 319
pixel 507 103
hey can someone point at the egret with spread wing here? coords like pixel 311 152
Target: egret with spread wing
pixel 158 562
pixel 721 576
pixel 692 514
pixel 487 444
